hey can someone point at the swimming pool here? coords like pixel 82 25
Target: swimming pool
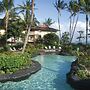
pixel 52 76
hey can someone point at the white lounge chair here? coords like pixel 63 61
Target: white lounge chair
pixel 12 49
pixel 59 48
pixel 54 47
pixel 46 47
pixel 49 47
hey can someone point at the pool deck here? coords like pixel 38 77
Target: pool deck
pixel 47 51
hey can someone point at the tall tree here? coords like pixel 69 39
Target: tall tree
pixel 73 8
pixel 48 22
pixel 25 10
pixel 85 8
pixel 80 36
pixel 6 6
pixel 16 25
pixel 30 24
pixel 59 5
pixel 65 38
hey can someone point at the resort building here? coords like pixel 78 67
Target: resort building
pixel 35 32
pixel 40 31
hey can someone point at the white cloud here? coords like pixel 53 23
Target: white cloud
pixel 56 26
pixel 65 27
pixel 81 25
pixel 21 15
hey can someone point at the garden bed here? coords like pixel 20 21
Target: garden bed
pixel 21 74
pixel 75 81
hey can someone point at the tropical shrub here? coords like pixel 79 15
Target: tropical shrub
pixel 11 62
pixel 51 39
pixel 65 38
pixel 67 48
pixel 18 45
pixel 32 50
pixel 84 59
pixel 83 74
pixel 5 48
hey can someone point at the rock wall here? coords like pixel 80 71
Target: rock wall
pixel 74 81
pixel 21 74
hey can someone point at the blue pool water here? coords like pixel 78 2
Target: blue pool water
pixel 52 76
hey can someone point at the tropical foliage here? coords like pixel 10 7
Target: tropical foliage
pixel 11 62
pixel 85 8
pixel 48 22
pixel 59 5
pixel 73 7
pixel 6 6
pixel 65 38
pixel 51 39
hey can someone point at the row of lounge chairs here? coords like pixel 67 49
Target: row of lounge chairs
pixel 51 49
pixel 14 49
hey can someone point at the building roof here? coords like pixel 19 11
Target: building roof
pixel 44 28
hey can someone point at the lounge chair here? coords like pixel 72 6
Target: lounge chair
pixel 49 47
pixel 12 49
pixel 59 48
pixel 45 47
pixel 54 47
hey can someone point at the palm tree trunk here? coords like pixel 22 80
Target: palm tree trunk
pixel 73 22
pixel 70 31
pixel 59 26
pixel 74 29
pixel 86 29
pixel 29 28
pixel 6 25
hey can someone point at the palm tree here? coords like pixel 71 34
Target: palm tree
pixel 25 9
pixel 48 22
pixel 59 5
pixel 16 25
pixel 80 36
pixel 6 6
pixel 73 8
pixel 85 8
pixel 31 21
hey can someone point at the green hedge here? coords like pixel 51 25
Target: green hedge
pixel 83 74
pixel 11 62
pixel 32 50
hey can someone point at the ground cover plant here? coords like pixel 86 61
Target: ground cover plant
pixel 10 62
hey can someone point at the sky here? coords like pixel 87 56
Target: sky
pixel 45 9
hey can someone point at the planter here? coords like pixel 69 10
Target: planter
pixel 21 74
pixel 74 81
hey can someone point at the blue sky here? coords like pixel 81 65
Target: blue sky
pixel 46 9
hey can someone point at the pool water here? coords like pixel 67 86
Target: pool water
pixel 52 76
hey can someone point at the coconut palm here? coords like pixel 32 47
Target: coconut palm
pixel 74 9
pixel 16 25
pixel 85 8
pixel 48 22
pixel 59 5
pixel 6 6
pixel 25 9
pixel 80 36
pixel 29 24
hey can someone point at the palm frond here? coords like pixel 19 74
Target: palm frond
pixel 8 4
